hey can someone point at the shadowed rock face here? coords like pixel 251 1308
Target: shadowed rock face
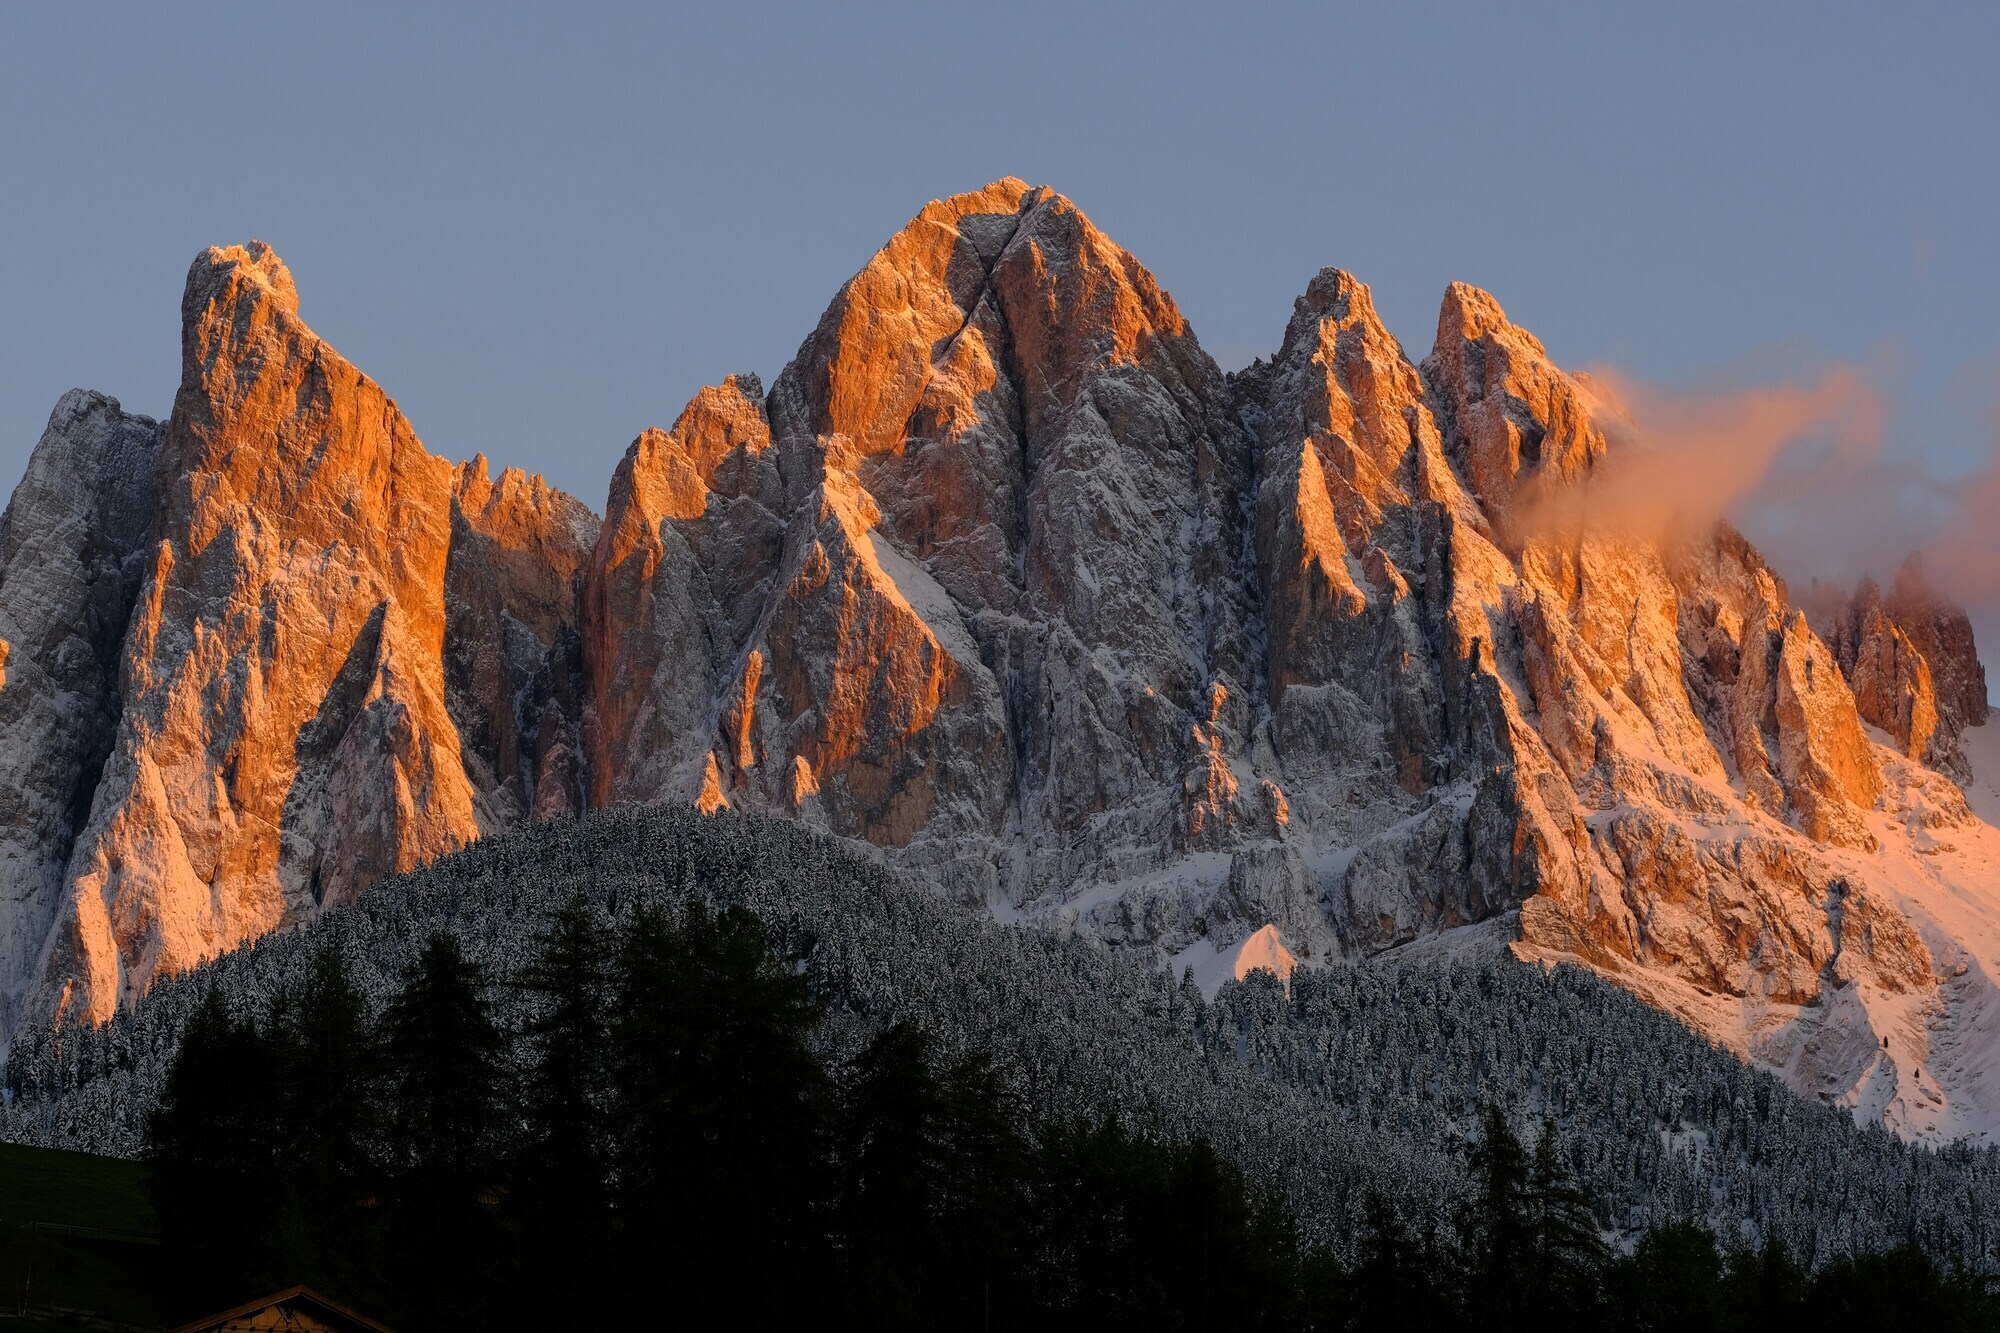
pixel 1941 632
pixel 1560 705
pixel 1013 408
pixel 1004 577
pixel 284 722
pixel 72 549
pixel 1028 595
pixel 513 646
pixel 675 588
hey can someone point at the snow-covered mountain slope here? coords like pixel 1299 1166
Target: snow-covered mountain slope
pixel 1004 578
pixel 1350 1079
pixel 1916 1048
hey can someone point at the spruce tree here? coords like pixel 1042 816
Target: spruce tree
pixel 1568 1251
pixel 443 1050
pixel 323 1045
pixel 324 1120
pixel 212 1153
pixel 1395 1281
pixel 986 1210
pixel 895 1156
pixel 1498 1228
pixel 564 1154
pixel 1671 1282
pixel 563 1160
pixel 721 1107
pixel 1765 1287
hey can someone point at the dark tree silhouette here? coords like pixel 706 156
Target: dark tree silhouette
pixel 1498 1229
pixel 723 1107
pixel 1399 1279
pixel 676 1116
pixel 1672 1283
pixel 563 1161
pixel 325 1120
pixel 1568 1249
pixel 443 1052
pixel 210 1150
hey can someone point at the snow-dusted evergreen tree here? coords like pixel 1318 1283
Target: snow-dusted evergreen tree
pixel 1355 1079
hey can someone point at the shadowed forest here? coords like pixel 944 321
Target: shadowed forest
pixel 662 1139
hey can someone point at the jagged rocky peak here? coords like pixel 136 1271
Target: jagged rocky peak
pixel 238 278
pixel 1941 631
pixel 1360 394
pixel 513 647
pixel 285 732
pixel 986 455
pixel 284 741
pixel 1004 577
pixel 72 550
pixel 1890 677
pixel 930 611
pixel 1521 426
pixel 675 585
pixel 1355 740
pixel 271 423
pixel 1605 615
pixel 1672 726
pixel 874 354
pixel 713 446
pixel 1912 663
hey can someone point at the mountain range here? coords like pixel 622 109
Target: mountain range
pixel 1004 578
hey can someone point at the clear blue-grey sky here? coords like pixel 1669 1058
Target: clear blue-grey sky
pixel 542 230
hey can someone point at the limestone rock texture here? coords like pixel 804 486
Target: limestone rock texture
pixel 1005 578
pixel 1890 676
pixel 1942 634
pixel 674 589
pixel 513 641
pixel 282 729
pixel 1025 456
pixel 72 553
pixel 1912 663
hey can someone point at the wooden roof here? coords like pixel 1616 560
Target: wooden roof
pixel 293 1310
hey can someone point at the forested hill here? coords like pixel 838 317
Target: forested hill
pixel 1359 1077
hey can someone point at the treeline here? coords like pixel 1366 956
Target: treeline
pixel 1358 1078
pixel 662 1138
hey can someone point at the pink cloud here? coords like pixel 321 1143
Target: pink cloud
pixel 1802 468
pixel 1681 460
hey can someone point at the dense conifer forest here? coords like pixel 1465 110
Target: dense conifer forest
pixel 725 1063
pixel 663 1131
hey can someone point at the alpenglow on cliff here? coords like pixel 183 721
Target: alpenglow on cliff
pixel 1006 578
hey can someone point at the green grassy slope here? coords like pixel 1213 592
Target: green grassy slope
pixel 78 1243
pixel 73 1189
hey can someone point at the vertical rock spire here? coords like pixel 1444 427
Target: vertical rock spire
pixel 72 546
pixel 284 737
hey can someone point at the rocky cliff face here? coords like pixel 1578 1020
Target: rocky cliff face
pixel 1911 660
pixel 72 548
pixel 281 730
pixel 1941 632
pixel 1013 482
pixel 1004 577
pixel 513 651
pixel 678 580
pixel 1891 678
